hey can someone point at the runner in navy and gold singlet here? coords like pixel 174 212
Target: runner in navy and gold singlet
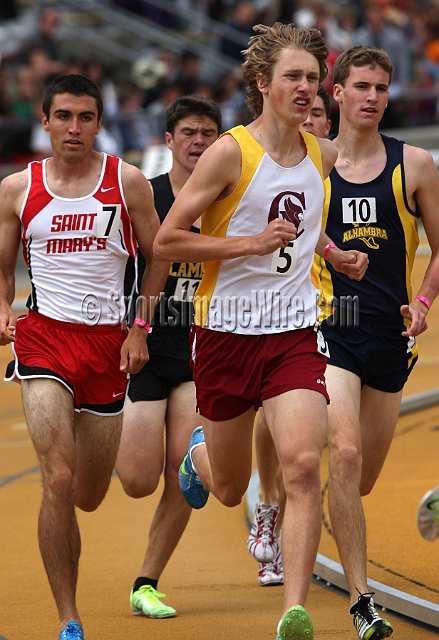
pixel 162 394
pixel 375 196
pixel 376 218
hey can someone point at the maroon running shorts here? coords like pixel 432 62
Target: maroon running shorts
pixel 233 372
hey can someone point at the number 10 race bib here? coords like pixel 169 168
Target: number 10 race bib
pixel 359 210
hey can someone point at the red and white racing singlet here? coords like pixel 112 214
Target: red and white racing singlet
pixel 76 249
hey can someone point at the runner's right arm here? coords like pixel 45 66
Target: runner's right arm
pixel 12 190
pixel 215 176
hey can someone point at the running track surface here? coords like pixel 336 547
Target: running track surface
pixel 211 579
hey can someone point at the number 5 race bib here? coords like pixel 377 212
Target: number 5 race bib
pixel 284 259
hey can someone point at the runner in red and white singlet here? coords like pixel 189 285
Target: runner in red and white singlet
pixel 79 214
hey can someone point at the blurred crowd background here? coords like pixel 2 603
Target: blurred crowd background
pixel 145 53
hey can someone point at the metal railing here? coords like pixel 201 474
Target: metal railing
pixel 116 32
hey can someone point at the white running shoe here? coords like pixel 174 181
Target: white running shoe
pixel 428 515
pixel 261 543
pixel 271 574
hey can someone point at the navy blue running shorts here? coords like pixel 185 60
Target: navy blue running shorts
pixel 375 351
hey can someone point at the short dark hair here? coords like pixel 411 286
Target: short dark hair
pixel 192 105
pixel 360 56
pixel 323 94
pixel 75 84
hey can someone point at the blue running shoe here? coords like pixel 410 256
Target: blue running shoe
pixel 73 631
pixel 193 490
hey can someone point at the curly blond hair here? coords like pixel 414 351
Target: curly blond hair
pixel 264 51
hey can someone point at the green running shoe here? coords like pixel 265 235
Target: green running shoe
pixel 295 625
pixel 428 515
pixel 145 602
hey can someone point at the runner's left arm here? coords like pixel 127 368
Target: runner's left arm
pixel 146 223
pixel 422 186
pixel 352 263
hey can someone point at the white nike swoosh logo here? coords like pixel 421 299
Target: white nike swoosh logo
pixel 108 189
pixel 118 394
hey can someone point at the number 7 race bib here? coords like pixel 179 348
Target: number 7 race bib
pixel 108 220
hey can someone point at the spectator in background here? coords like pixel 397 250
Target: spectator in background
pixel 205 89
pixel 8 10
pixel 154 73
pixel 17 104
pixel 318 15
pixel 136 6
pixel 286 10
pixel 131 125
pixel 231 100
pixel 5 115
pixel 43 68
pixel 43 39
pixel 150 11
pixel 422 107
pixel 195 25
pixel 155 113
pixel 24 105
pixel 216 9
pixel 24 94
pixel 5 103
pixel 377 32
pixel 189 74
pixel 97 73
pixel 243 18
pixel 75 66
pixel 342 26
